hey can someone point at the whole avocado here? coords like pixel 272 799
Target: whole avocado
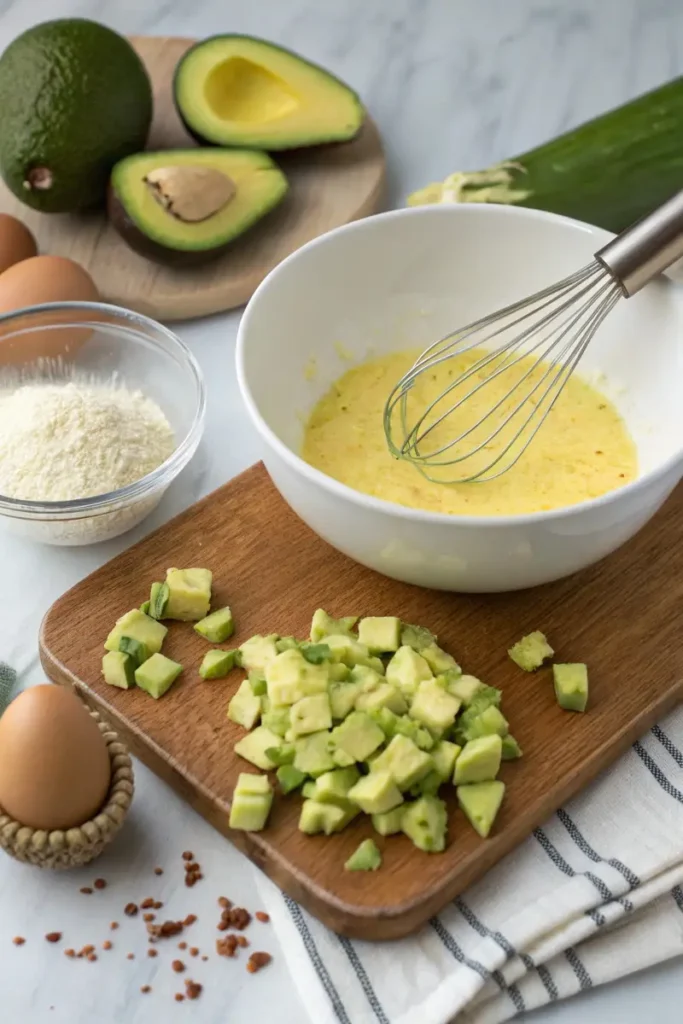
pixel 75 98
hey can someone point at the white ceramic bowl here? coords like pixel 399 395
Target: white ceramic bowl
pixel 404 279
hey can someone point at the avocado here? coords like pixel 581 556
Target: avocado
pixel 75 99
pixel 290 677
pixel 429 786
pixel 486 696
pixel 275 719
pixel 184 206
pixel 286 643
pixel 443 757
pixel 235 90
pixel 358 735
pixel 425 821
pixel 245 706
pixel 407 669
pixel 389 822
pixel 157 675
pixel 251 802
pixel 284 754
pixel 376 793
pixel 405 762
pixel 490 720
pixel 216 627
pixel 253 746
pixel 531 651
pixel 258 651
pixel 313 755
pixel 289 778
pixel 465 687
pixel 308 790
pixel 368 678
pixel 217 664
pixel 138 651
pixel 144 607
pixel 316 654
pixel 416 637
pixel 158 600
pixel 351 652
pixel 366 858
pixel 311 714
pixel 385 719
pixel 381 634
pixel 343 698
pixel 338 672
pixel 433 706
pixel 511 749
pixel 189 594
pixel 439 661
pixel 383 696
pixel 118 670
pixel 333 787
pixel 481 802
pixel 479 760
pixel 259 686
pixel 324 625
pixel 571 686
pixel 327 818
pixel 421 737
pixel 139 626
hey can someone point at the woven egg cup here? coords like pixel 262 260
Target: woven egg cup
pixel 75 847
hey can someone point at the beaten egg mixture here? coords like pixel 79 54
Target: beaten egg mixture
pixel 582 450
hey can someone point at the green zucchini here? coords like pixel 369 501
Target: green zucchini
pixel 609 171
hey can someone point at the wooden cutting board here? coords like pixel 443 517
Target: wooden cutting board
pixel 622 617
pixel 329 186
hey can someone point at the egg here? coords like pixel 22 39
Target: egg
pixel 16 242
pixel 33 282
pixel 54 763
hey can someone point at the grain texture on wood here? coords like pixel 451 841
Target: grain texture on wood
pixel 329 186
pixel 622 617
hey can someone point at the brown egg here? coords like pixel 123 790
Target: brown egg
pixel 33 282
pixel 54 763
pixel 16 242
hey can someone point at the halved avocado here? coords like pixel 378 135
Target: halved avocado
pixel 187 205
pixel 236 90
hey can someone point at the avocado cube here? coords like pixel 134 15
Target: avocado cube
pixel 311 714
pixel 439 661
pixel 463 687
pixel 333 787
pixel 289 778
pixel 479 760
pixel 385 719
pixel 137 651
pixel 485 697
pixel 366 858
pixel 347 650
pixel 430 785
pixel 157 675
pixel 251 803
pixel 405 762
pixel 258 684
pixel 384 696
pixel 376 792
pixel 217 664
pixel 290 678
pixel 258 652
pixel 327 818
pixel 276 719
pixel 308 790
pixel 421 737
pixel 189 594
pixel 284 754
pixel 367 678
pixel 312 754
pixel 358 735
pixel 158 600
pixel 216 627
pixel 571 686
pixel 244 707
pixel 338 672
pixel 489 721
pixel 425 822
pixel 389 822
pixel 144 607
pixel 253 746
pixel 324 625
pixel 443 757
pixel 433 706
pixel 511 749
pixel 531 651
pixel 139 626
pixel 416 637
pixel 118 670
pixel 381 634
pixel 343 698
pixel 407 670
pixel 286 643
pixel 316 654
pixel 341 758
pixel 481 802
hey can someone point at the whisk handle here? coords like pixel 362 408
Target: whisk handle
pixel 646 248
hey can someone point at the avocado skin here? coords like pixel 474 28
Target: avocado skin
pixel 74 98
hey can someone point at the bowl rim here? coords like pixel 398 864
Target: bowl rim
pixel 380 505
pixel 108 501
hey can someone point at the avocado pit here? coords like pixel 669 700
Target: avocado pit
pixel 190 193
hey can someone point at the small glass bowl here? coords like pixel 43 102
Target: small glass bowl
pixel 103 342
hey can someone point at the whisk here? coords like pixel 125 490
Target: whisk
pixel 555 326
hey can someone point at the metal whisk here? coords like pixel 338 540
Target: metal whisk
pixel 555 325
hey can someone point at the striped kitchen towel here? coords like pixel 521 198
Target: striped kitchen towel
pixel 594 894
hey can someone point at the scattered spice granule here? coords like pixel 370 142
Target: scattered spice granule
pixel 224 902
pixel 179 997
pixel 261 915
pixel 205 958
pixel 92 957
pixel 18 940
pixel 86 890
pixel 146 988
pixel 227 946
pixel 178 966
pixel 182 945
pixel 149 917
pixel 194 951
pixel 87 949
pixel 258 960
pixel 193 989
pixel 158 871
pixel 100 883
pixel 222 926
pixel 71 953
pixel 152 952
pixel 107 945
pixel 193 867
pixel 242 941
pixel 53 936
pixel 114 925
pixel 188 855
pixel 190 919
pixel 157 906
pixel 237 918
pixel 130 956
pixel 166 930
pixel 147 904
pixel 130 909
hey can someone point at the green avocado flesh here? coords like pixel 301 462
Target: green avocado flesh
pixel 143 221
pixel 235 90
pixel 75 99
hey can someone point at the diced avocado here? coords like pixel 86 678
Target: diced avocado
pixel 481 802
pixel 253 746
pixel 312 754
pixel 407 670
pixel 189 594
pixel 157 675
pixel 218 626
pixel 531 651
pixel 338 672
pixel 258 684
pixel 347 650
pixel 275 719
pixel 439 661
pixel 290 677
pixel 324 625
pixel 571 686
pixel 385 719
pixel 490 720
pixel 217 664
pixel 405 762
pixel 118 670
pixel 343 698
pixel 384 696
pixel 366 858
pixel 366 677
pixel 139 626
pixel 158 600
pixel 316 654
pixel 138 652
pixel 308 789
pixel 511 748
pixel 244 707
pixel 429 786
pixel 311 714
pixel 420 736
pixel 327 818
pixel 284 754
pixel 376 793
pixel 251 802
pixel 341 758
pixel 358 735
pixel 333 787
pixel 388 823
pixel 376 663
pixel 464 687
pixel 289 778
pixel 258 652
pixel 416 637
pixel 433 706
pixel 444 756
pixel 381 634
pixel 485 697
pixel 424 821
pixel 286 643
pixel 144 607
pixel 479 760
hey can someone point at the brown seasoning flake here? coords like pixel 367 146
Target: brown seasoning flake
pixel 261 915
pixel 158 871
pixel 190 919
pixel 188 855
pixel 178 966
pixel 107 945
pixel 257 961
pixel 147 904
pixel 224 902
pixel 53 936
pixel 86 890
pixel 100 883
pixel 149 917
pixel 146 988
pixel 193 989
pixel 194 951
pixel 114 925
pixel 179 997
pixel 130 909
pixel 152 952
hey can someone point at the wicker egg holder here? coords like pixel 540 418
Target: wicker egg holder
pixel 75 847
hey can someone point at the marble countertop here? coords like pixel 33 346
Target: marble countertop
pixel 452 85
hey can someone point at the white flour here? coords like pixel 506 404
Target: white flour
pixel 62 441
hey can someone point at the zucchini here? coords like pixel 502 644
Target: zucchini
pixel 609 171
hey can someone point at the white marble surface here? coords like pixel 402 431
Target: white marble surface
pixel 452 84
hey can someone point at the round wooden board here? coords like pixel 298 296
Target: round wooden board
pixel 329 186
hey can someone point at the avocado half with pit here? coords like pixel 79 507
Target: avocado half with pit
pixel 236 90
pixel 185 206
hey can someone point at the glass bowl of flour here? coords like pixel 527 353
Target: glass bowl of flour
pixel 100 410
